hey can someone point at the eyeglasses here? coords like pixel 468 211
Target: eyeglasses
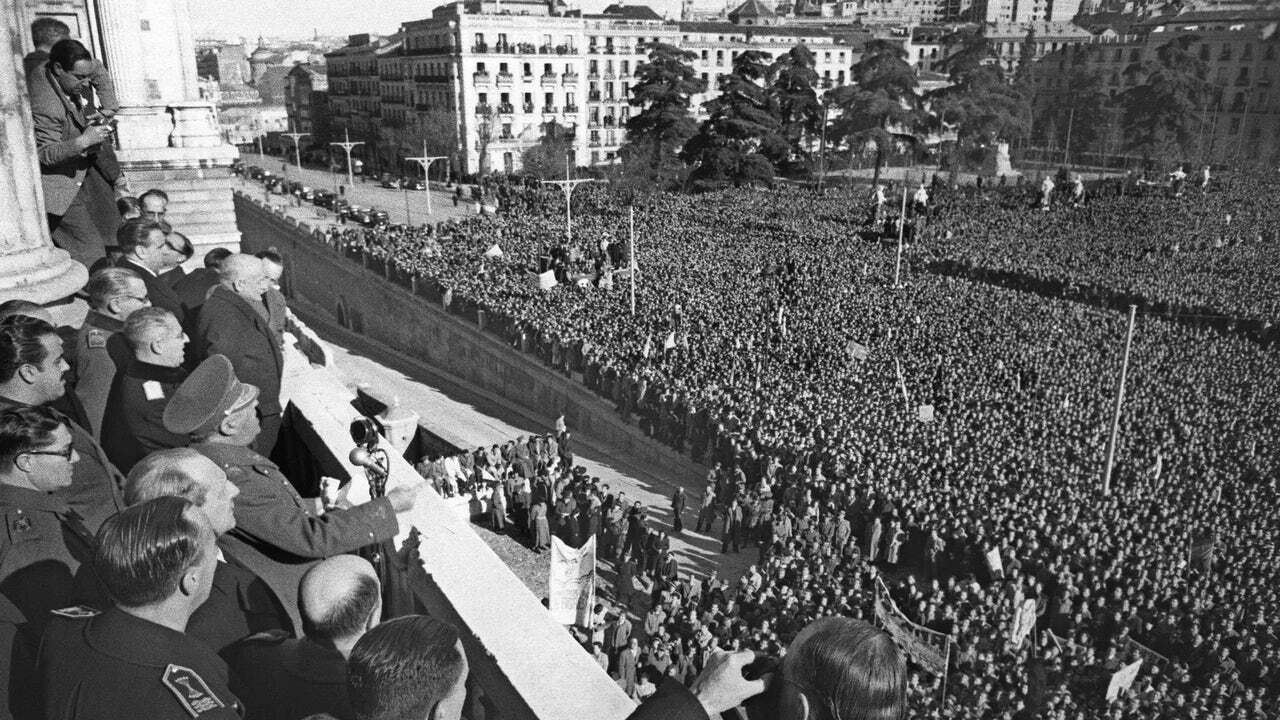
pixel 66 453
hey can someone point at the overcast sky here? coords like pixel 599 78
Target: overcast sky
pixel 298 18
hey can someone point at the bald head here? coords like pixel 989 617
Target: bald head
pixel 244 275
pixel 340 599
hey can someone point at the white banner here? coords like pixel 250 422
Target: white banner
pixel 1122 679
pixel 571 588
pixel 1024 620
pixel 995 563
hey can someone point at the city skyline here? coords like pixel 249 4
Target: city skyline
pixel 297 19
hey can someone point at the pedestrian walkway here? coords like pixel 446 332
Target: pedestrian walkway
pixel 469 417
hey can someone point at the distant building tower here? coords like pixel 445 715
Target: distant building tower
pixel 753 12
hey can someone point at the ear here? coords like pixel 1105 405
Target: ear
pixel 189 584
pixel 22 462
pixel 230 425
pixel 28 373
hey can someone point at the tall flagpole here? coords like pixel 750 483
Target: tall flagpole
pixel 1115 420
pixel 902 225
pixel 631 244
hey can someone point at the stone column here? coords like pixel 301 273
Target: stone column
pixel 122 49
pixel 186 50
pixel 30 266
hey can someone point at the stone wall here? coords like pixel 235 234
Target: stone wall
pixel 394 312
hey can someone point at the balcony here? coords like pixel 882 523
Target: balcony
pixel 593 96
pixel 593 75
pixel 608 50
pixel 545 49
pixel 593 143
pixel 483 109
pixel 610 75
pixel 526 49
pixel 502 48
pixel 549 79
pixel 624 49
pixel 528 108
pixel 569 78
pixel 566 50
pixel 506 78
pixel 480 48
pixel 550 109
pixel 593 123
pixel 506 108
pixel 610 121
pixel 592 49
pixel 570 109
pixel 480 78
pixel 526 78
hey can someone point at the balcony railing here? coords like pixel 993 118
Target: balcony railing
pixel 483 109
pixel 506 108
pixel 570 109
pixel 527 78
pixel 569 78
pixel 480 77
pixel 593 96
pixel 548 78
pixel 480 48
pixel 527 107
pixel 595 123
pixel 505 78
pixel 550 109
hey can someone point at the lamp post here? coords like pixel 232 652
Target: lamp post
pixel 425 161
pixel 297 150
pixel 568 187
pixel 348 146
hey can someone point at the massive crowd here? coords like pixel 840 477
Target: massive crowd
pixel 769 339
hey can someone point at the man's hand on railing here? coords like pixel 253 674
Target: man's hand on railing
pixel 403 497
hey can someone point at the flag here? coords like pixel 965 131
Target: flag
pixel 925 413
pixel 670 342
pixel 1122 679
pixel 995 564
pixel 648 346
pixel 493 252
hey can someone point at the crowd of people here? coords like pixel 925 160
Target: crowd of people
pixel 941 420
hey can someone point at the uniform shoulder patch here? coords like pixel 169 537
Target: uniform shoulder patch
pixel 76 612
pixel 192 691
pixel 96 339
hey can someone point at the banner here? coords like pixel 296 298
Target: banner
pixel 493 252
pixel 857 350
pixel 546 280
pixel 1122 679
pixel 929 648
pixel 571 589
pixel 1158 662
pixel 1024 620
pixel 925 413
pixel 995 564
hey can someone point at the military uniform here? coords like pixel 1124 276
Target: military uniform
pixel 280 678
pixel 136 409
pixel 99 350
pixel 115 665
pixel 239 605
pixel 278 535
pixel 95 482
pixel 42 544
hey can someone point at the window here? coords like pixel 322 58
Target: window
pixel 479 39
pixel 483 98
pixel 528 69
pixel 546 69
pixel 549 99
pixel 502 69
pixel 502 39
pixel 569 100
pixel 626 67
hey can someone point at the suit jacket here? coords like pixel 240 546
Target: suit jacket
pixel 279 678
pixel 239 605
pixel 278 535
pixel 160 293
pixel 229 325
pixel 58 122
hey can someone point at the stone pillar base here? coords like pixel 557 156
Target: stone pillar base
pixel 48 276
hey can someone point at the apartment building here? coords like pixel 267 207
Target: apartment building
pixel 493 75
pixel 1240 50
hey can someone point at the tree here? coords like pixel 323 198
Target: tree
pixel 792 83
pixel 1160 111
pixel 981 106
pixel 546 160
pixel 1081 107
pixel 741 140
pixel 656 133
pixel 882 107
pixel 439 129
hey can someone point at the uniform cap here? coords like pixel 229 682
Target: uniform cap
pixel 207 396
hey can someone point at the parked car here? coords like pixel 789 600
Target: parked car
pixel 375 218
pixel 415 185
pixel 255 172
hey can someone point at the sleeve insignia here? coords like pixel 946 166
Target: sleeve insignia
pixel 96 339
pixel 22 524
pixel 192 691
pixel 76 612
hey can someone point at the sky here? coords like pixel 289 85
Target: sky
pixel 228 19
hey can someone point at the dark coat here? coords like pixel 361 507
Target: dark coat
pixel 135 408
pixel 115 665
pixel 280 678
pixel 159 291
pixel 229 325
pixel 239 605
pixel 98 352
pixel 278 535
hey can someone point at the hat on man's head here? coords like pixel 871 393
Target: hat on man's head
pixel 209 394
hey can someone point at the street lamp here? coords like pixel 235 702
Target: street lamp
pixel 568 187
pixel 348 146
pixel 425 161
pixel 295 137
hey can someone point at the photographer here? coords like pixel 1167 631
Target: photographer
pixel 836 668
pixel 77 163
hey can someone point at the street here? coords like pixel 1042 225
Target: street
pixel 364 194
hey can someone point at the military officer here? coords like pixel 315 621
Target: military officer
pixel 157 561
pixel 32 368
pixel 278 535
pixel 99 350
pixel 142 388
pixel 42 541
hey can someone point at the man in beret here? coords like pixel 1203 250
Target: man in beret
pixel 278 534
